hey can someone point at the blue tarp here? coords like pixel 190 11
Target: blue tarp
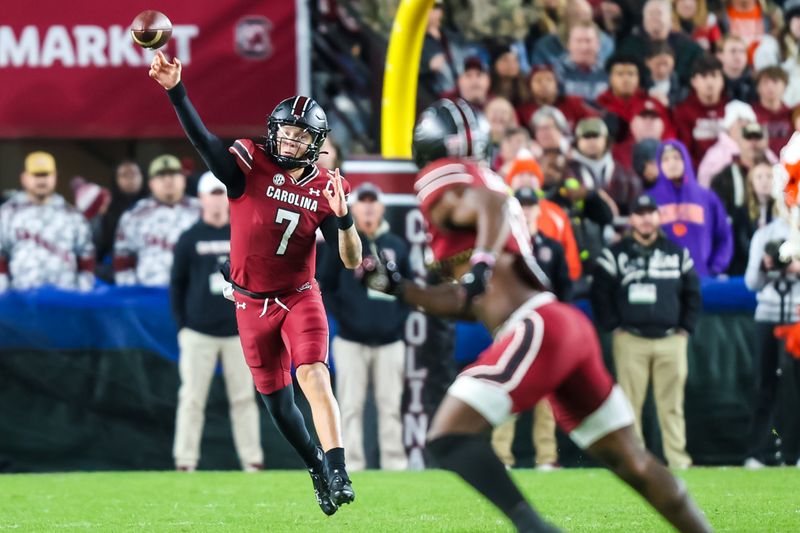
pixel 139 318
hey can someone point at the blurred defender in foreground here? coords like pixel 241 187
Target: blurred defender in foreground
pixel 542 348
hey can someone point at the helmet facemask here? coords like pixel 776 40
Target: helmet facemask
pixel 278 135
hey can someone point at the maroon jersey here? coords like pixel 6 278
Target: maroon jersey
pixel 777 123
pixel 699 125
pixel 274 223
pixel 444 174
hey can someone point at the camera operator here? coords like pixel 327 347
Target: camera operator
pixel 778 296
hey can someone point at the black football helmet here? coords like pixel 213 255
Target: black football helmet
pixel 450 128
pixel 303 112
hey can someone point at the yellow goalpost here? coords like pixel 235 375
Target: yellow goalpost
pixel 399 99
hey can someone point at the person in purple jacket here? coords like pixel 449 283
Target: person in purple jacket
pixel 691 215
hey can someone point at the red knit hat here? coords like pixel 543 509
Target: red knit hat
pixel 89 197
pixel 525 162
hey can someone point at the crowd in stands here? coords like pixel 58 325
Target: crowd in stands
pixel 599 95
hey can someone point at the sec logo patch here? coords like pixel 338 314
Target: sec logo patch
pixel 278 179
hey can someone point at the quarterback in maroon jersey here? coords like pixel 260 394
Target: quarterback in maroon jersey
pixel 542 348
pixel 278 199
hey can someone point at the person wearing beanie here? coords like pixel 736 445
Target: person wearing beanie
pixel 644 162
pixel 553 221
pixel 594 166
pixel 91 200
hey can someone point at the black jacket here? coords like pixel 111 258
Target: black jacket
pixel 550 256
pixel 196 284
pixel 588 217
pixel 649 291
pixel 367 318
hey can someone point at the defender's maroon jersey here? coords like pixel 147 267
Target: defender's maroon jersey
pixel 274 223
pixel 444 174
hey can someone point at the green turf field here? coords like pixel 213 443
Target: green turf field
pixel 577 500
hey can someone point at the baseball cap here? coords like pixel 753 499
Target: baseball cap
pixel 526 196
pixel 368 190
pixel 646 108
pixel 40 163
pixel 474 62
pixel 165 164
pixel 209 184
pixel 738 110
pixel 753 131
pixel 589 127
pixel 644 202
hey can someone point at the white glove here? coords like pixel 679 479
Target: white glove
pixel 227 292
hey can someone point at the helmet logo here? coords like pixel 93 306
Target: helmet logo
pixel 300 105
pixel 278 179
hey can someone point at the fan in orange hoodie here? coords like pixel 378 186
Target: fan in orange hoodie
pixel 553 222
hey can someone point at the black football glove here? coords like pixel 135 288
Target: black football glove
pixel 380 275
pixel 474 281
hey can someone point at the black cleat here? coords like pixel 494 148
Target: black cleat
pixel 341 490
pixel 322 493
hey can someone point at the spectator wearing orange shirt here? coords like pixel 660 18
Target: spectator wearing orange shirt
pixel 749 19
pixel 553 221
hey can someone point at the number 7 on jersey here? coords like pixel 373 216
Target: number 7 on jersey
pixel 284 215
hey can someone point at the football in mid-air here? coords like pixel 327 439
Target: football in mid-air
pixel 151 29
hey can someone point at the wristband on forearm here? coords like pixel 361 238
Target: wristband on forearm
pixel 345 222
pixel 474 281
pixel 482 256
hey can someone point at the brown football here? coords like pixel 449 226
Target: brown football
pixel 151 29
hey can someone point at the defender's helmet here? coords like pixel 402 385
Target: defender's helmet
pixel 303 112
pixel 450 128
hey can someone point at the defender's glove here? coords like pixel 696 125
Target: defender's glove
pixel 474 281
pixel 380 275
